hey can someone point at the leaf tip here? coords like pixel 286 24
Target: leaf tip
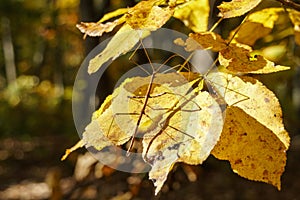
pixel 78 145
pixel 91 70
pixel 221 15
pixel 94 65
pixel 65 155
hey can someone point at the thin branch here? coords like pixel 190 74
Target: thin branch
pixel 8 50
pixel 290 4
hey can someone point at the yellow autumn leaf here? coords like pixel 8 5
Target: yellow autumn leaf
pixel 136 13
pixel 236 8
pixel 118 122
pixel 259 24
pixel 189 132
pixel 274 52
pixel 295 18
pixel 252 149
pixel 194 14
pixel 147 15
pixel 238 58
pixel 114 123
pixel 113 14
pixel 267 17
pixel 122 42
pixel 203 40
pixel 254 139
pixel 97 29
pixel 97 133
pixel 139 20
pixel 78 145
pixel 179 127
pixel 254 99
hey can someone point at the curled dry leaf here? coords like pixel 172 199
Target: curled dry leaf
pixel 135 17
pixel 236 8
pixel 97 29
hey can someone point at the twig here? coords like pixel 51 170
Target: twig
pixel 290 4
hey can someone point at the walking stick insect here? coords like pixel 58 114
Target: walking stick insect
pixel 148 95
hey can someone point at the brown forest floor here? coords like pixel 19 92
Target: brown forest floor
pixel 28 168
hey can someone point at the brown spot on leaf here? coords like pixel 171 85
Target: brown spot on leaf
pixel 239 161
pixel 267 100
pixel 265 173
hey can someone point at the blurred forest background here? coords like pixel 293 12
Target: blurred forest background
pixel 40 53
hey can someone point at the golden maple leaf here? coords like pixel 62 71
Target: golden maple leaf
pixel 236 8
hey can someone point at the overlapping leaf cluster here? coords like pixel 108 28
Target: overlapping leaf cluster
pixel 253 138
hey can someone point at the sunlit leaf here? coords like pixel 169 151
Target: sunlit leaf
pixel 239 59
pixel 254 99
pixel 184 127
pixel 108 127
pixel 204 40
pixel 122 42
pixel 176 122
pixel 258 24
pixel 175 128
pixel 194 14
pixel 252 149
pixel 139 20
pixel 97 29
pixel 146 15
pixel 113 14
pixel 236 8
pixel 267 17
pixel 235 57
pixel 253 139
pixel 295 17
pixel 199 132
pixel 78 145
pixel 274 52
